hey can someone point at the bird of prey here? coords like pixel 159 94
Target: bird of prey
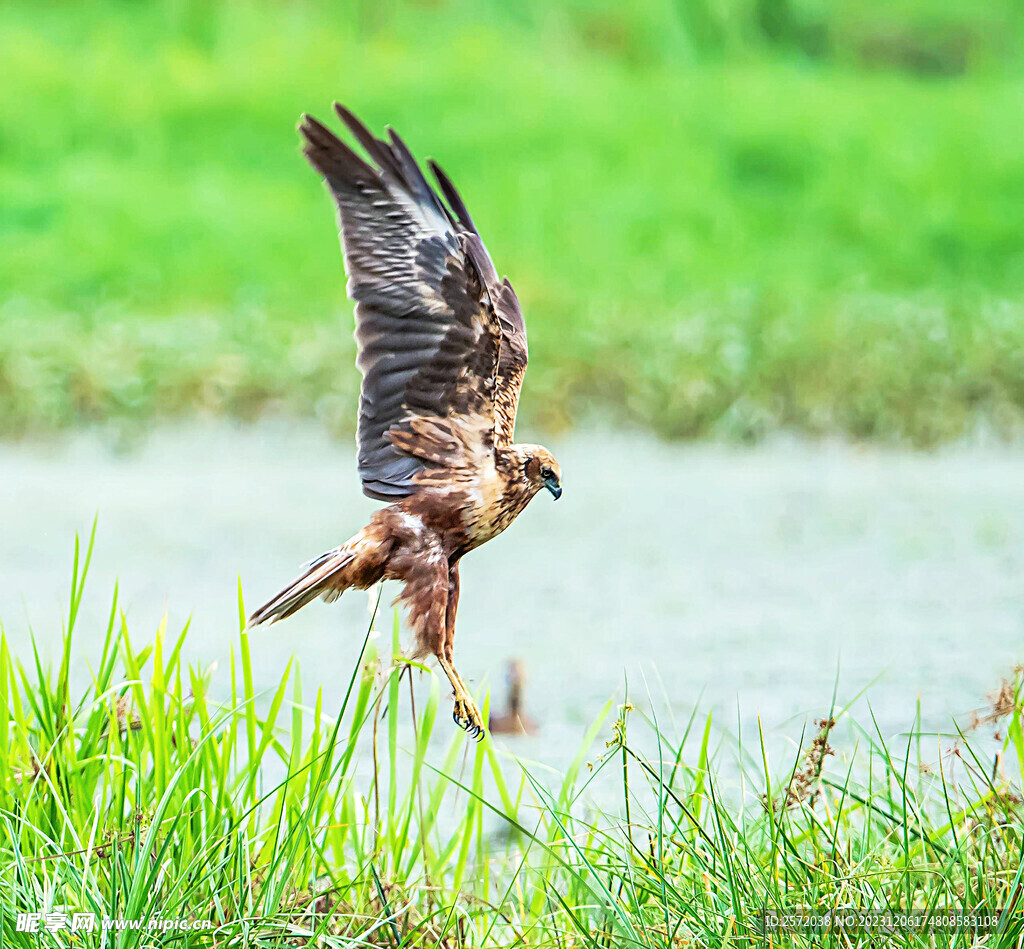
pixel 441 345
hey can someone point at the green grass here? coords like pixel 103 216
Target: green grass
pixel 703 243
pixel 141 794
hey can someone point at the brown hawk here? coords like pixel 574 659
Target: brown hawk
pixel 441 345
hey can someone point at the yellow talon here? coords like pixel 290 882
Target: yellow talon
pixel 467 717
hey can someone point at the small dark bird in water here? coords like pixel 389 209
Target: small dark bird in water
pixel 514 721
pixel 441 344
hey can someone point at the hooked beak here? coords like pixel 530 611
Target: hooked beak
pixel 554 487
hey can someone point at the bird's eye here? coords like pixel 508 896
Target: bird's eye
pixel 546 473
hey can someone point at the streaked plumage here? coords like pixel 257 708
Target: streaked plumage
pixel 441 345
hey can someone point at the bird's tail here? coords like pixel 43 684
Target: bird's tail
pixel 357 563
pixel 318 579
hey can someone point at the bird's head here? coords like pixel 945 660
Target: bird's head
pixel 541 469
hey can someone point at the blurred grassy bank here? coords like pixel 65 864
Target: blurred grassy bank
pixel 710 234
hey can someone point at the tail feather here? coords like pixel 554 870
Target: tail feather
pixel 320 578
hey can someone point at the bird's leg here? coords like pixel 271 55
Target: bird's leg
pixel 432 594
pixel 465 713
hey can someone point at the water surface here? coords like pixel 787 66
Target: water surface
pixel 742 577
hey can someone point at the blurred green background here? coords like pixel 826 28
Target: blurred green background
pixel 722 216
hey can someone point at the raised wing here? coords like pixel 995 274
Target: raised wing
pixel 438 335
pixel 503 299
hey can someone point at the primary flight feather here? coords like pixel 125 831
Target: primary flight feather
pixel 441 345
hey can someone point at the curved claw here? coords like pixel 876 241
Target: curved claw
pixel 466 716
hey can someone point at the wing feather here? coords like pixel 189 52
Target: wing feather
pixel 438 335
pixel 514 354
